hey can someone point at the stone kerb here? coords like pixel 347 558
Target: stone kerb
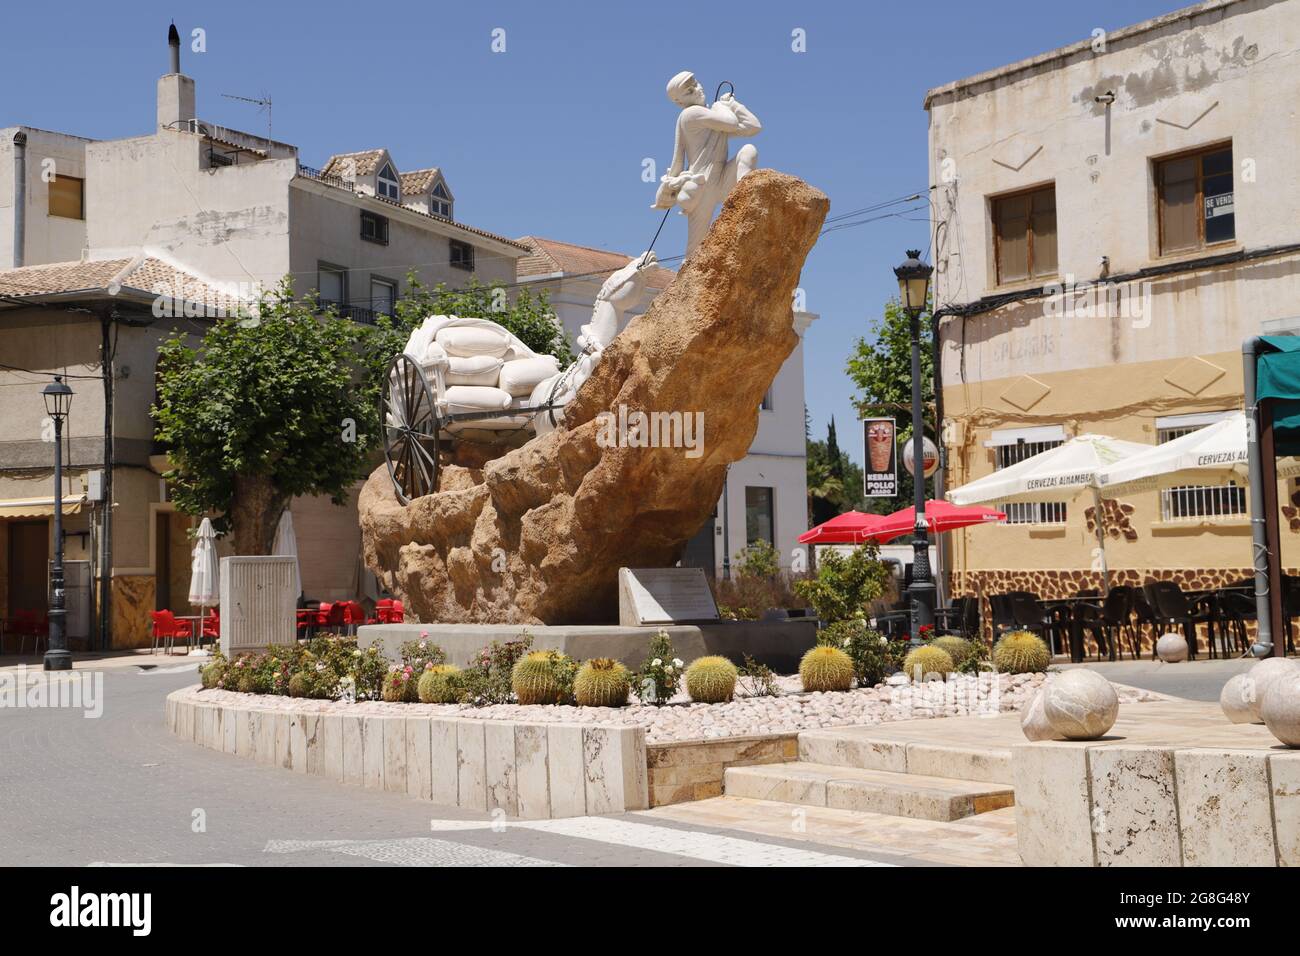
pixel 1112 804
pixel 530 771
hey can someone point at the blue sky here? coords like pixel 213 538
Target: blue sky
pixel 548 137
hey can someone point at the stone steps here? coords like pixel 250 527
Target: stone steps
pixel 918 796
pixel 871 748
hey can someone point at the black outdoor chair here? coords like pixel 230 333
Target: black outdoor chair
pixel 962 615
pixel 1143 616
pixel 1111 621
pixel 1173 608
pixel 1236 606
pixel 1030 614
pixel 1004 617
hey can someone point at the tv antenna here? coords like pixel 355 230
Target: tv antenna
pixel 263 103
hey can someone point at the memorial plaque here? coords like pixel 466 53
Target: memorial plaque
pixel 664 596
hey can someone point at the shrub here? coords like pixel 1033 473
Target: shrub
pixel 601 683
pixel 826 669
pixel 210 674
pixel 759 560
pixel 422 654
pixel 1021 652
pixel 870 652
pixel 658 678
pixel 757 680
pixel 711 680
pixel 543 677
pixel 845 585
pixel 927 659
pixel 300 684
pixel 488 679
pixel 958 648
pixel 439 685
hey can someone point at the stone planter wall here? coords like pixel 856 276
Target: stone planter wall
pixel 532 771
pixel 1080 804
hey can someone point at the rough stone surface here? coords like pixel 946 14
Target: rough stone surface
pixel 1237 699
pixel 1280 709
pixel 568 513
pixel 1172 648
pixel 1034 721
pixel 1134 816
pixel 1224 810
pixel 1080 705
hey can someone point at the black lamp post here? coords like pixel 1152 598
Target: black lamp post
pixel 913 293
pixel 58 399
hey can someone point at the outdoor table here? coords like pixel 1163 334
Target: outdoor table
pixel 196 628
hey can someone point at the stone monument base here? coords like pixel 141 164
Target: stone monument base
pixel 778 644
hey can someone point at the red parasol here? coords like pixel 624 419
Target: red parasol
pixel 852 527
pixel 939 516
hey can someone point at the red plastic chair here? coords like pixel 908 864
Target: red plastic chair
pixel 26 623
pixel 167 628
pixel 383 611
pixel 211 626
pixel 398 614
pixel 323 615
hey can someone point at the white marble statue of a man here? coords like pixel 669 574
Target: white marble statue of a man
pixel 700 176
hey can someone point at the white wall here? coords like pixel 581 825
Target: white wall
pixel 48 238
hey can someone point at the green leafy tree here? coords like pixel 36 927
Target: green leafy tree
pixel 834 481
pixel 881 372
pixel 845 584
pixel 265 408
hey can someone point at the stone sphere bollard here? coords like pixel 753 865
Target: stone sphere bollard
pixel 1081 705
pixel 1280 708
pixel 1171 648
pixel 1033 723
pixel 1237 699
pixel 1264 674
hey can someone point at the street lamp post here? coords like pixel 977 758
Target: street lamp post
pixel 913 292
pixel 58 399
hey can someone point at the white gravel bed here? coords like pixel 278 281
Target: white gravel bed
pixel 791 711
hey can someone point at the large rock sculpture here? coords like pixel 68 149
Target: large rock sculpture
pixel 538 535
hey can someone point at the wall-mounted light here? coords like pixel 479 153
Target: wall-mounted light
pixel 1108 97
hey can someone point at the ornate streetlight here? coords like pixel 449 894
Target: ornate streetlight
pixel 913 293
pixel 58 400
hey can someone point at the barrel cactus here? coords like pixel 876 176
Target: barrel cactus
pixel 826 669
pixel 602 683
pixel 958 648
pixel 925 660
pixel 437 685
pixel 711 680
pixel 300 684
pixel 1021 652
pixel 534 679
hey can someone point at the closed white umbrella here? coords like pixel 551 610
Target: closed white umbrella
pixel 286 546
pixel 1053 475
pixel 203 567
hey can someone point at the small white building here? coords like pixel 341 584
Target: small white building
pixel 766 496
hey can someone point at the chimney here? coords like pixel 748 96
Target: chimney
pixel 175 89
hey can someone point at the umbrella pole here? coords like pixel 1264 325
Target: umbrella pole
pixel 1100 522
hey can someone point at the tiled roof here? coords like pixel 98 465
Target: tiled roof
pixel 419 180
pixel 364 163
pixel 550 256
pixel 148 275
pixel 452 222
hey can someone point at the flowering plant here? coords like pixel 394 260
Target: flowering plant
pixel 658 678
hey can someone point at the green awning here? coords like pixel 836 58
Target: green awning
pixel 1278 381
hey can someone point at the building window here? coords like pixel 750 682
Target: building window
pixel 374 228
pixel 462 255
pixel 1028 512
pixel 383 296
pixel 1024 235
pixel 387 185
pixel 759 522
pixel 68 197
pixel 1196 201
pixel 440 202
pixel 1194 502
pixel 331 285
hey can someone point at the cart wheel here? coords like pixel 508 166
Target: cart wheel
pixel 409 420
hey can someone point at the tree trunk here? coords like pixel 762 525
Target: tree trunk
pixel 254 514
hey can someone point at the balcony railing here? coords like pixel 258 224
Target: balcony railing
pixel 310 172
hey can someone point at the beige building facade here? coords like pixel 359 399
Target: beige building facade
pixel 1112 219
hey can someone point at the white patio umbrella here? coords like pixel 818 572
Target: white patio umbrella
pixel 1058 473
pixel 286 545
pixel 1216 454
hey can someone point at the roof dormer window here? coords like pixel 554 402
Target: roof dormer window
pixel 440 202
pixel 386 184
